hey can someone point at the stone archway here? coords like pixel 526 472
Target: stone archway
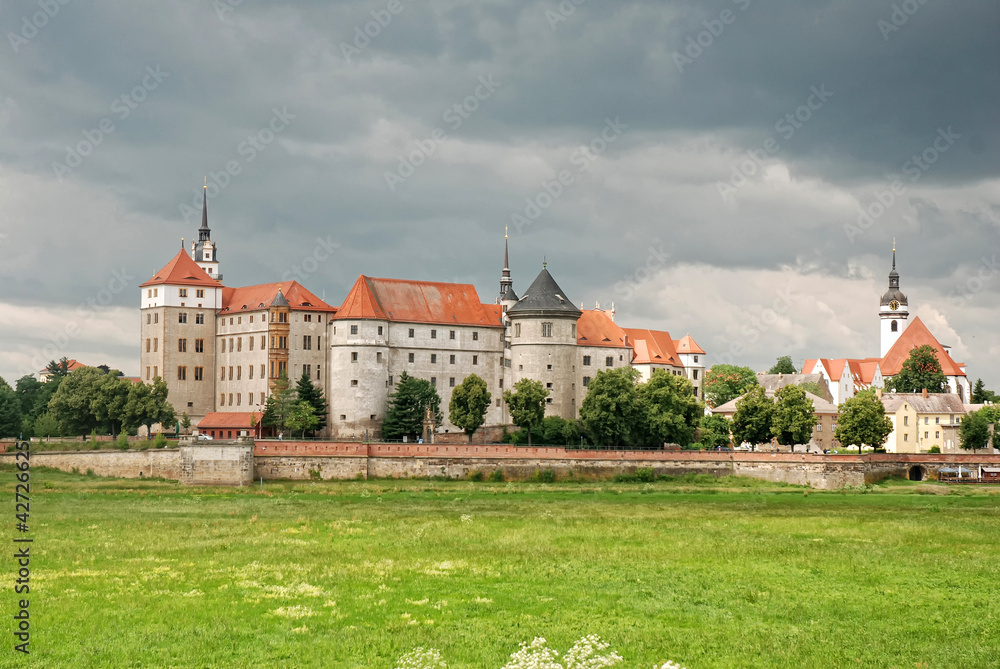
pixel 916 473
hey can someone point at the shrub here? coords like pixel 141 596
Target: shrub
pixel 90 472
pixel 496 476
pixel 934 449
pixel 476 475
pixel 547 475
pixel 160 441
pixel 645 474
pixel 121 443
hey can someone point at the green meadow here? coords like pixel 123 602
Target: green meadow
pixel 704 572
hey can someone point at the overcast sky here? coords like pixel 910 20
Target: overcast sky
pixel 703 165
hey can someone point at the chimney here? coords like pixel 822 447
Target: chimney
pixel 924 393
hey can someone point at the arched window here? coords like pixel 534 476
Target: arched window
pixel 893 327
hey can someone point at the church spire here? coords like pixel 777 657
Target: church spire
pixel 506 283
pixel 203 232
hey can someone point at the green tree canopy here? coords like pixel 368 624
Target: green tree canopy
pixel 793 419
pixel 980 395
pixel 752 420
pixel 783 365
pixel 10 411
pixel 671 410
pixel 974 432
pixel 108 402
pixel 406 407
pixel 526 404
pixel 71 403
pixel 862 421
pixel 278 405
pixel 306 391
pixel 613 412
pixel 147 405
pixel 727 382
pixel 470 401
pixel 714 430
pixel 302 417
pixel 920 370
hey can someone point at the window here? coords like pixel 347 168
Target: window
pixel 548 400
pixel 546 329
pixel 263 342
pixel 937 421
pixel 199 345
pixel 262 370
pixel 230 399
pixel 354 329
pixel 239 343
pixel 182 345
pixel 199 292
pixel 239 320
pixel 926 434
pixel 451 382
pixel 573 331
pixel 317 371
pixel 411 333
pixel 378 356
pixel 307 342
pixel 586 361
pixel 147 372
pixel 222 399
pixel 498 402
pixel 819 427
pixel 182 317
pixel 282 368
pixel 149 343
pixel 549 385
pixel 156 344
pixel 380 331
pixel 434 334
pixel 182 292
pixel 239 372
pixel 927 420
pixel 182 373
pixel 199 319
pixel 609 361
pixel 937 434
pixel 354 356
pixel 893 327
pixel 250 342
pixel 451 360
pixel 319 342
pixel 222 373
pixel 354 383
pixel 410 358
pixel 586 381
pixel 549 367
pixel 694 374
pixel 262 400
pixel 239 398
pixel 475 336
pixel 696 358
pixel 156 371
pixel 906 420
pixel 501 382
pixel 307 370
pixel 199 373
pixel 149 318
pixel 434 381
pixel 231 347
pixel 475 360
pixel 451 334
pixel 306 318
pixel 517 329
pixel 249 371
pixel 434 358
pixel 230 372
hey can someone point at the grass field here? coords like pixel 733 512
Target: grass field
pixel 717 573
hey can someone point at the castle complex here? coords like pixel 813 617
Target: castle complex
pixel 221 349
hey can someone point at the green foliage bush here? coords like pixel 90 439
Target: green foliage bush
pixel 121 443
pixel 496 476
pixel 160 441
pixel 476 475
pixel 934 449
pixel 547 475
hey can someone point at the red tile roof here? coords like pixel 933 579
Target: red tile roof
pixel 595 328
pixel 863 371
pixel 252 297
pixel 71 366
pixel 182 271
pixel 417 302
pixel 688 345
pixel 653 347
pixel 229 419
pixel 917 334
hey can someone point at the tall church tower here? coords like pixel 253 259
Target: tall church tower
pixel 204 251
pixel 892 310
pixel 508 297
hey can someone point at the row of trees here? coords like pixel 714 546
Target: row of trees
pixel 87 400
pixel 300 409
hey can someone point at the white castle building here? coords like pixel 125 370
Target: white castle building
pixel 221 349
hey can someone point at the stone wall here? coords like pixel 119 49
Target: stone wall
pixel 162 463
pixel 217 464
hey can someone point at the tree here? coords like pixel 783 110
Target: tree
pixel 862 421
pixel 556 430
pixel 58 370
pixel 71 403
pixel 974 432
pixel 46 426
pixel 526 404
pixel 279 403
pixel 919 371
pixel 10 411
pixel 470 401
pixel 980 395
pixel 110 395
pixel 306 391
pixel 302 416
pixel 793 419
pixel 727 382
pixel 671 410
pixel 404 415
pixel 783 366
pixel 186 421
pixel 147 405
pixel 752 420
pixel 714 431
pixel 613 411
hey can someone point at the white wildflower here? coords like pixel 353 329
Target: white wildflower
pixel 293 612
pixel 587 654
pixel 422 658
pixel 669 665
pixel 466 518
pixel 535 655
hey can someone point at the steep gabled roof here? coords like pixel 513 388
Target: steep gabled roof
pixel 688 345
pixel 262 296
pixel 595 328
pixel 933 403
pixel 917 334
pixel 182 271
pixel 544 297
pixel 653 347
pixel 417 302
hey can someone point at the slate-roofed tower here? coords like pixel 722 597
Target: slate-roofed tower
pixel 892 310
pixel 205 252
pixel 508 297
pixel 543 343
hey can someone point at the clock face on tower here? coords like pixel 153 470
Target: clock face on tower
pixel 894 305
